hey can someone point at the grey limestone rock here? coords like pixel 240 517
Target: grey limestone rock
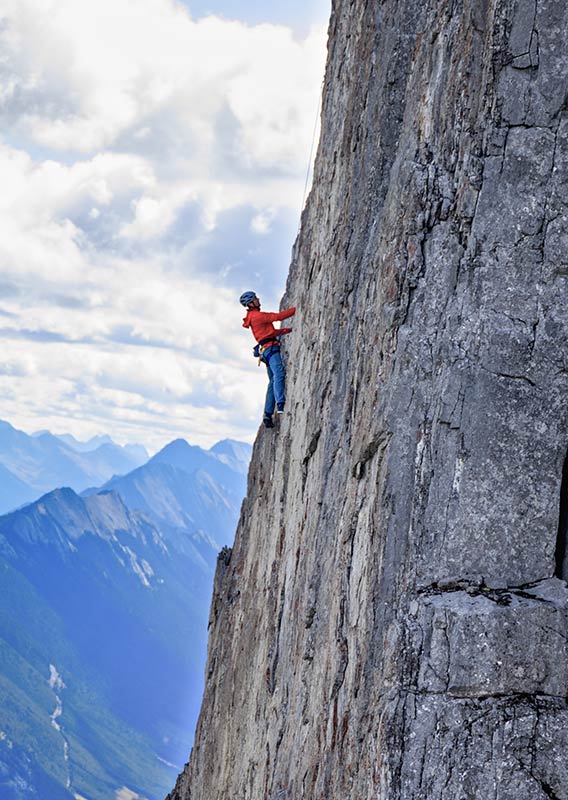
pixel 392 622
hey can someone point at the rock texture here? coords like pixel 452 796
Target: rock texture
pixel 392 621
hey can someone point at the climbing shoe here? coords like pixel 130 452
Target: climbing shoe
pixel 267 419
pixel 280 408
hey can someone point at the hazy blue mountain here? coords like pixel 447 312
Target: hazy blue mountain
pixel 103 618
pixel 13 491
pixel 186 487
pixel 44 462
pixel 82 447
pixel 99 594
pixel 137 452
pixel 234 454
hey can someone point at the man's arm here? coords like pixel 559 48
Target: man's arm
pixel 267 316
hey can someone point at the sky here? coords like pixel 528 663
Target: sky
pixel 153 156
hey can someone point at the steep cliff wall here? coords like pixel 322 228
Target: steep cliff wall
pixel 389 623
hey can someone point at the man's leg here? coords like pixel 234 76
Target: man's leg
pixel 269 402
pixel 278 379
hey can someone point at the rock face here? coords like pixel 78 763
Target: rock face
pixel 392 621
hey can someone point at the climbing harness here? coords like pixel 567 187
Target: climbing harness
pixel 262 346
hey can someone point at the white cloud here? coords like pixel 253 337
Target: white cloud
pixel 92 72
pixel 147 356
pixel 134 134
pixel 215 109
pixel 127 794
pixel 37 236
pixel 261 222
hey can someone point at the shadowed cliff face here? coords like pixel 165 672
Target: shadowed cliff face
pixel 389 623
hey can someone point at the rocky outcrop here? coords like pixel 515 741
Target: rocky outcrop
pixel 392 621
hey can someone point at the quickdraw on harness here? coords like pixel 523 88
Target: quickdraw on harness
pixel 262 346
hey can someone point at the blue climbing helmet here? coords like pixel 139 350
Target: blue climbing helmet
pixel 246 298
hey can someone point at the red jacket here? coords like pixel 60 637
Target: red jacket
pixel 261 322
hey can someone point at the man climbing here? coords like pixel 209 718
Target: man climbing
pixel 268 350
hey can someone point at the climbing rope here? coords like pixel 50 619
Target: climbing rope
pixel 310 160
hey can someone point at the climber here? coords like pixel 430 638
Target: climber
pixel 268 350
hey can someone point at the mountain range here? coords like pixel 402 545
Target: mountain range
pixel 104 615
pixel 207 502
pixel 33 465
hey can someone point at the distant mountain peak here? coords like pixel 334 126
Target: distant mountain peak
pixel 233 453
pixel 6 425
pixel 179 453
pixel 176 444
pixel 224 444
pixel 83 447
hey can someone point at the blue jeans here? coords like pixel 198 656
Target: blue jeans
pixel 276 392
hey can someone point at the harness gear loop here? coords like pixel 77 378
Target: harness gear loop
pixel 264 345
